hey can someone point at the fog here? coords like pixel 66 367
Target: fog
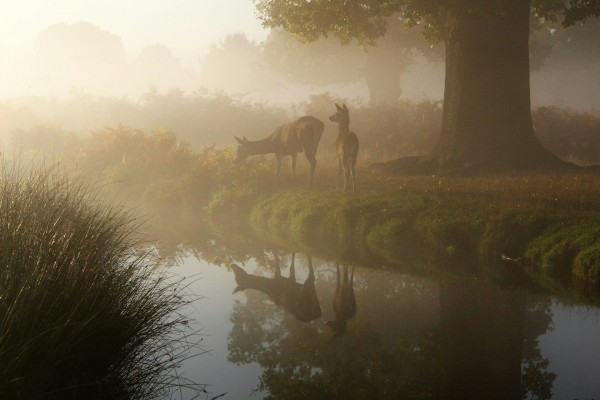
pixel 80 57
pixel 144 101
pixel 79 77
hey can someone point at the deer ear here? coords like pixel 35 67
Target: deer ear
pixel 338 107
pixel 237 139
pixel 345 108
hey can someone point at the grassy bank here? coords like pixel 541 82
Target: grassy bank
pixel 545 225
pixel 83 314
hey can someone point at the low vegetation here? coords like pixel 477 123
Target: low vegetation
pixel 83 311
pixel 543 226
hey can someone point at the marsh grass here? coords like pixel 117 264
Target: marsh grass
pixel 84 314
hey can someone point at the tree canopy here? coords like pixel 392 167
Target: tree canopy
pixel 366 20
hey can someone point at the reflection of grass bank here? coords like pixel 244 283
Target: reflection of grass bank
pixel 83 315
pixel 550 224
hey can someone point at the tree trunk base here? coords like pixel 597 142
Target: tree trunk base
pixel 432 163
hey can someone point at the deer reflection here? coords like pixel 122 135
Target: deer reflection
pixel 298 299
pixel 344 301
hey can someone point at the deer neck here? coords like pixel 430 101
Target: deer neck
pixel 343 129
pixel 262 146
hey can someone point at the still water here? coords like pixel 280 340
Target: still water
pixel 347 332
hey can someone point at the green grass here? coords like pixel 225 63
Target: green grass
pixel 83 312
pixel 550 222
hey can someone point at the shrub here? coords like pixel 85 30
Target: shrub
pixel 587 265
pixel 83 312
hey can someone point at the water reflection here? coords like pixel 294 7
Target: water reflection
pixel 409 338
pixel 344 301
pixel 298 299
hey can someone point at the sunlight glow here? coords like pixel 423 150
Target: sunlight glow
pixel 186 27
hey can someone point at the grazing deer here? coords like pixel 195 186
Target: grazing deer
pixel 302 135
pixel 298 299
pixel 346 144
pixel 344 302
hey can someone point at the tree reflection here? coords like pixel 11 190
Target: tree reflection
pixel 411 338
pixel 482 336
pixel 489 343
pixel 344 300
pixel 301 360
pixel 536 381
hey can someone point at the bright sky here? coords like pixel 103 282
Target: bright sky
pixel 187 27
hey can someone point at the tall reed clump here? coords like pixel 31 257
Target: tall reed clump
pixel 83 312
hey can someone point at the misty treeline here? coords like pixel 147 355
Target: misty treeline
pixel 74 128
pixel 86 58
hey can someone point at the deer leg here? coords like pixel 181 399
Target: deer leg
pixel 313 165
pixel 293 268
pixel 278 157
pixel 338 292
pixel 346 176
pixel 352 176
pixel 339 179
pixel 344 276
pixel 294 156
pixel 277 268
pixel 311 271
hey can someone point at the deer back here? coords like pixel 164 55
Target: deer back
pixel 302 135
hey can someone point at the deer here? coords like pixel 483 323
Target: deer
pixel 344 301
pixel 301 135
pixel 298 299
pixel 346 144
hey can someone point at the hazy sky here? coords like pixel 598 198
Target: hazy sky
pixel 187 27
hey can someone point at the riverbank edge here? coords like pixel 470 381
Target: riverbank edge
pixel 558 250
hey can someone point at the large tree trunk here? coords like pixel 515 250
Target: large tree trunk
pixel 487 124
pixel 487 121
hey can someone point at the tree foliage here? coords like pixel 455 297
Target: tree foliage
pixel 367 20
pixel 236 64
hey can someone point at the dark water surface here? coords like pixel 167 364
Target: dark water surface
pixel 390 336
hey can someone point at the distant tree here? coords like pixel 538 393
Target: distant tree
pixel 157 67
pixel 79 55
pixel 487 124
pixel 236 65
pixel 326 61
pixel 574 52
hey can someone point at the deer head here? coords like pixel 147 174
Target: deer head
pixel 243 150
pixel 342 116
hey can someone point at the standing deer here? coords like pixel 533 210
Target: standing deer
pixel 298 299
pixel 302 135
pixel 346 144
pixel 344 301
